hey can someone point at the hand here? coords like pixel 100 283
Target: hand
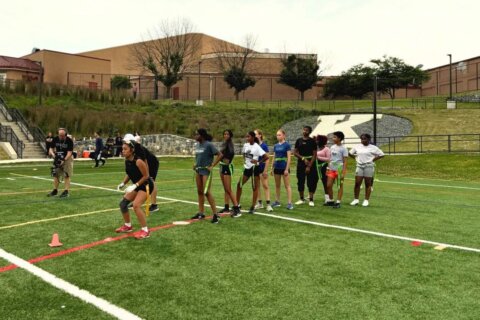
pixel 120 186
pixel 209 168
pixel 285 173
pixel 131 188
pixel 264 174
pixel 307 170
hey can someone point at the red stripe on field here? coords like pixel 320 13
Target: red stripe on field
pixel 89 245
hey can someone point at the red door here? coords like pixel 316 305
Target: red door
pixel 176 93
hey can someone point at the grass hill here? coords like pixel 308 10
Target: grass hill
pixel 82 117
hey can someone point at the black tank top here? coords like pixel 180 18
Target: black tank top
pixel 228 152
pixel 132 170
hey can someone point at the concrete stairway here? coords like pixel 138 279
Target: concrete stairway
pixel 32 149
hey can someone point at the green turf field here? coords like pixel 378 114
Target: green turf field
pixel 309 263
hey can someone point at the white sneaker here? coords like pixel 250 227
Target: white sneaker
pixel 311 204
pixel 300 202
pixel 355 202
pixel 259 206
pixel 269 208
pixel 365 203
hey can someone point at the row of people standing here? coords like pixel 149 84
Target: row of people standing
pixel 315 161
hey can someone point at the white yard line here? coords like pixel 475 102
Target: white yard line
pixel 69 288
pixel 374 233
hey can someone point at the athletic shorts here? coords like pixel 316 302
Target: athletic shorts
pixel 280 171
pixel 249 172
pixel 225 170
pixel 143 187
pixel 66 170
pixel 202 171
pixel 364 170
pixel 332 174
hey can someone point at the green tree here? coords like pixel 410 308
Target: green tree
pixel 300 72
pixel 356 82
pixel 120 82
pixel 235 63
pixel 171 50
pixel 393 73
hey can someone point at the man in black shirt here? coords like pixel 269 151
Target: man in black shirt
pixel 118 144
pixel 305 151
pixel 62 153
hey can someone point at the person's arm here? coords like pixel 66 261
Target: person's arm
pixel 289 159
pixel 217 160
pixel 273 162
pixel 267 162
pixel 344 170
pixel 327 156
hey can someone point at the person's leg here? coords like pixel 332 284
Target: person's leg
pixel 368 187
pixel 227 187
pixel 240 187
pixel 278 181
pixel 137 207
pixel 127 226
pixel 256 187
pixel 301 180
pixel 358 184
pixel 209 195
pixel 266 187
pixel 56 182
pixel 330 181
pixel 200 193
pixel 312 181
pixel 288 188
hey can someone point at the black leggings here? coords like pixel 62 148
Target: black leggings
pixel 312 178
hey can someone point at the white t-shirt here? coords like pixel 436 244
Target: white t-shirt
pixel 365 154
pixel 251 152
pixel 337 153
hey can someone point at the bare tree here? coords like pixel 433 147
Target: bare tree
pixel 235 62
pixel 172 49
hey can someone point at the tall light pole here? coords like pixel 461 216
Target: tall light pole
pixel 375 81
pixel 199 70
pixel 450 78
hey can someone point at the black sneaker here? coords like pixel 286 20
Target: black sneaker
pixel 215 218
pixel 336 206
pixel 65 194
pixel 153 208
pixel 329 204
pixel 225 210
pixel 252 210
pixel 53 193
pixel 198 216
pixel 236 212
pixel 103 162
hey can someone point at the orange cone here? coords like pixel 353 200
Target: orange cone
pixel 55 241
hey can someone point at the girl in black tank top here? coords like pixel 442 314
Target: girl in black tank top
pixel 137 171
pixel 226 172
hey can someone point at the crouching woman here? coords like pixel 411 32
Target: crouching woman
pixel 137 171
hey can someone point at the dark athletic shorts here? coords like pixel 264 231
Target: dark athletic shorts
pixel 248 172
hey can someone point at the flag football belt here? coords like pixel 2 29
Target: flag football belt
pixel 209 179
pixel 253 178
pixel 230 166
pixel 319 166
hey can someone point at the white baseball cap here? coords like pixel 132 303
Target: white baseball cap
pixel 138 139
pixel 129 137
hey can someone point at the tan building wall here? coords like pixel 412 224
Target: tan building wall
pixel 58 66
pixel 465 77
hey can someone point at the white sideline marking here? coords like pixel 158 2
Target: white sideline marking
pixel 379 234
pixel 69 288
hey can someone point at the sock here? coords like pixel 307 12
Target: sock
pixel 327 198
pixel 268 202
pixel 145 229
pixel 338 201
pixel 259 201
pixel 227 206
pixel 128 224
pixel 311 198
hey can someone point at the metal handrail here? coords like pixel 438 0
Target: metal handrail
pixel 7 134
pixel 4 109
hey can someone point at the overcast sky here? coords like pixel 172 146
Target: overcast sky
pixel 341 32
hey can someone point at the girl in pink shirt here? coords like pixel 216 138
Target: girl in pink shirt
pixel 323 157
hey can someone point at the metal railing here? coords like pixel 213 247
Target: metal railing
pixel 446 143
pixel 7 135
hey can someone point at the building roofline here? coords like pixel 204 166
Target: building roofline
pixel 66 53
